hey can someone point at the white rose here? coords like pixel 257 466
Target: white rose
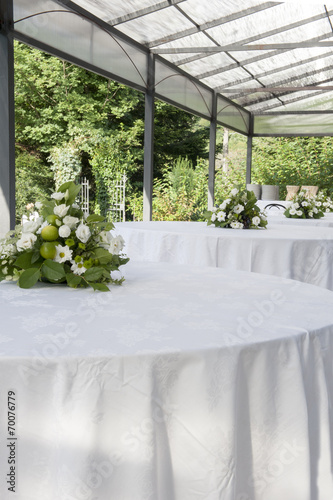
pixel 234 191
pixel 292 211
pixel 26 241
pixel 105 237
pixel 310 214
pixel 30 227
pixel 299 212
pixel 318 203
pixel 256 220
pixel 304 203
pixel 116 245
pixel 70 221
pixel 213 217
pixel 61 210
pixel 38 205
pixel 58 196
pixel 64 231
pixel 83 233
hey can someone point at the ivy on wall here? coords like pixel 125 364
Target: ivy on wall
pixel 65 163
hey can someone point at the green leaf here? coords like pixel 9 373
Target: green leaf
pixel 29 278
pixel 73 191
pixel 103 255
pixel 27 260
pixel 99 286
pixel 95 218
pixel 123 261
pixel 94 273
pixel 35 257
pixel 107 226
pixel 53 270
pixel 48 207
pixel 73 280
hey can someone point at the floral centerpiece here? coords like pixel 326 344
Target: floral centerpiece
pixel 238 211
pixel 327 203
pixel 303 206
pixel 58 244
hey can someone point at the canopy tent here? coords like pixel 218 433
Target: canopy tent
pixel 259 68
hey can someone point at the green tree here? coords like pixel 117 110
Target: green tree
pixel 66 115
pixel 293 161
pixel 32 180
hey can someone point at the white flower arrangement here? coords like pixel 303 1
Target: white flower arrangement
pixel 327 202
pixel 238 211
pixel 303 206
pixel 60 246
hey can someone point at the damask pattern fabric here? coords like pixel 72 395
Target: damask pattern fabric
pixel 289 251
pixel 184 383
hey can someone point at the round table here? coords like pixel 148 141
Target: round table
pixel 281 219
pixel 302 253
pixel 183 383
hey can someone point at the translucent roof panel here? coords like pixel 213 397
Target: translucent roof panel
pixel 320 101
pixel 291 124
pixel 156 25
pixel 177 88
pixel 231 47
pixel 69 33
pixel 232 116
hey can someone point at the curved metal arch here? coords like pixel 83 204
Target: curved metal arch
pixel 92 22
pixel 193 83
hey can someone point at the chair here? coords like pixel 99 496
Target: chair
pixel 310 190
pixel 275 205
pixel 291 191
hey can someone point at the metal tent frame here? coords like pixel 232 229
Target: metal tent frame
pixel 259 68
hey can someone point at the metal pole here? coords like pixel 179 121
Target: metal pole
pixel 148 163
pixel 249 159
pixel 249 152
pixel 7 118
pixel 212 154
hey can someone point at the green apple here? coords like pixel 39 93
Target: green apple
pixel 49 233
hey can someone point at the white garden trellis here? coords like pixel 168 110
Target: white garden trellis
pixel 84 195
pixel 117 207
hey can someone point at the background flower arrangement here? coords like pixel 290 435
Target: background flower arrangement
pixel 58 245
pixel 327 203
pixel 238 211
pixel 304 207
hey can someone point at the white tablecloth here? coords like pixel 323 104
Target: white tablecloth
pixel 281 219
pixel 302 253
pixel 275 216
pixel 182 384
